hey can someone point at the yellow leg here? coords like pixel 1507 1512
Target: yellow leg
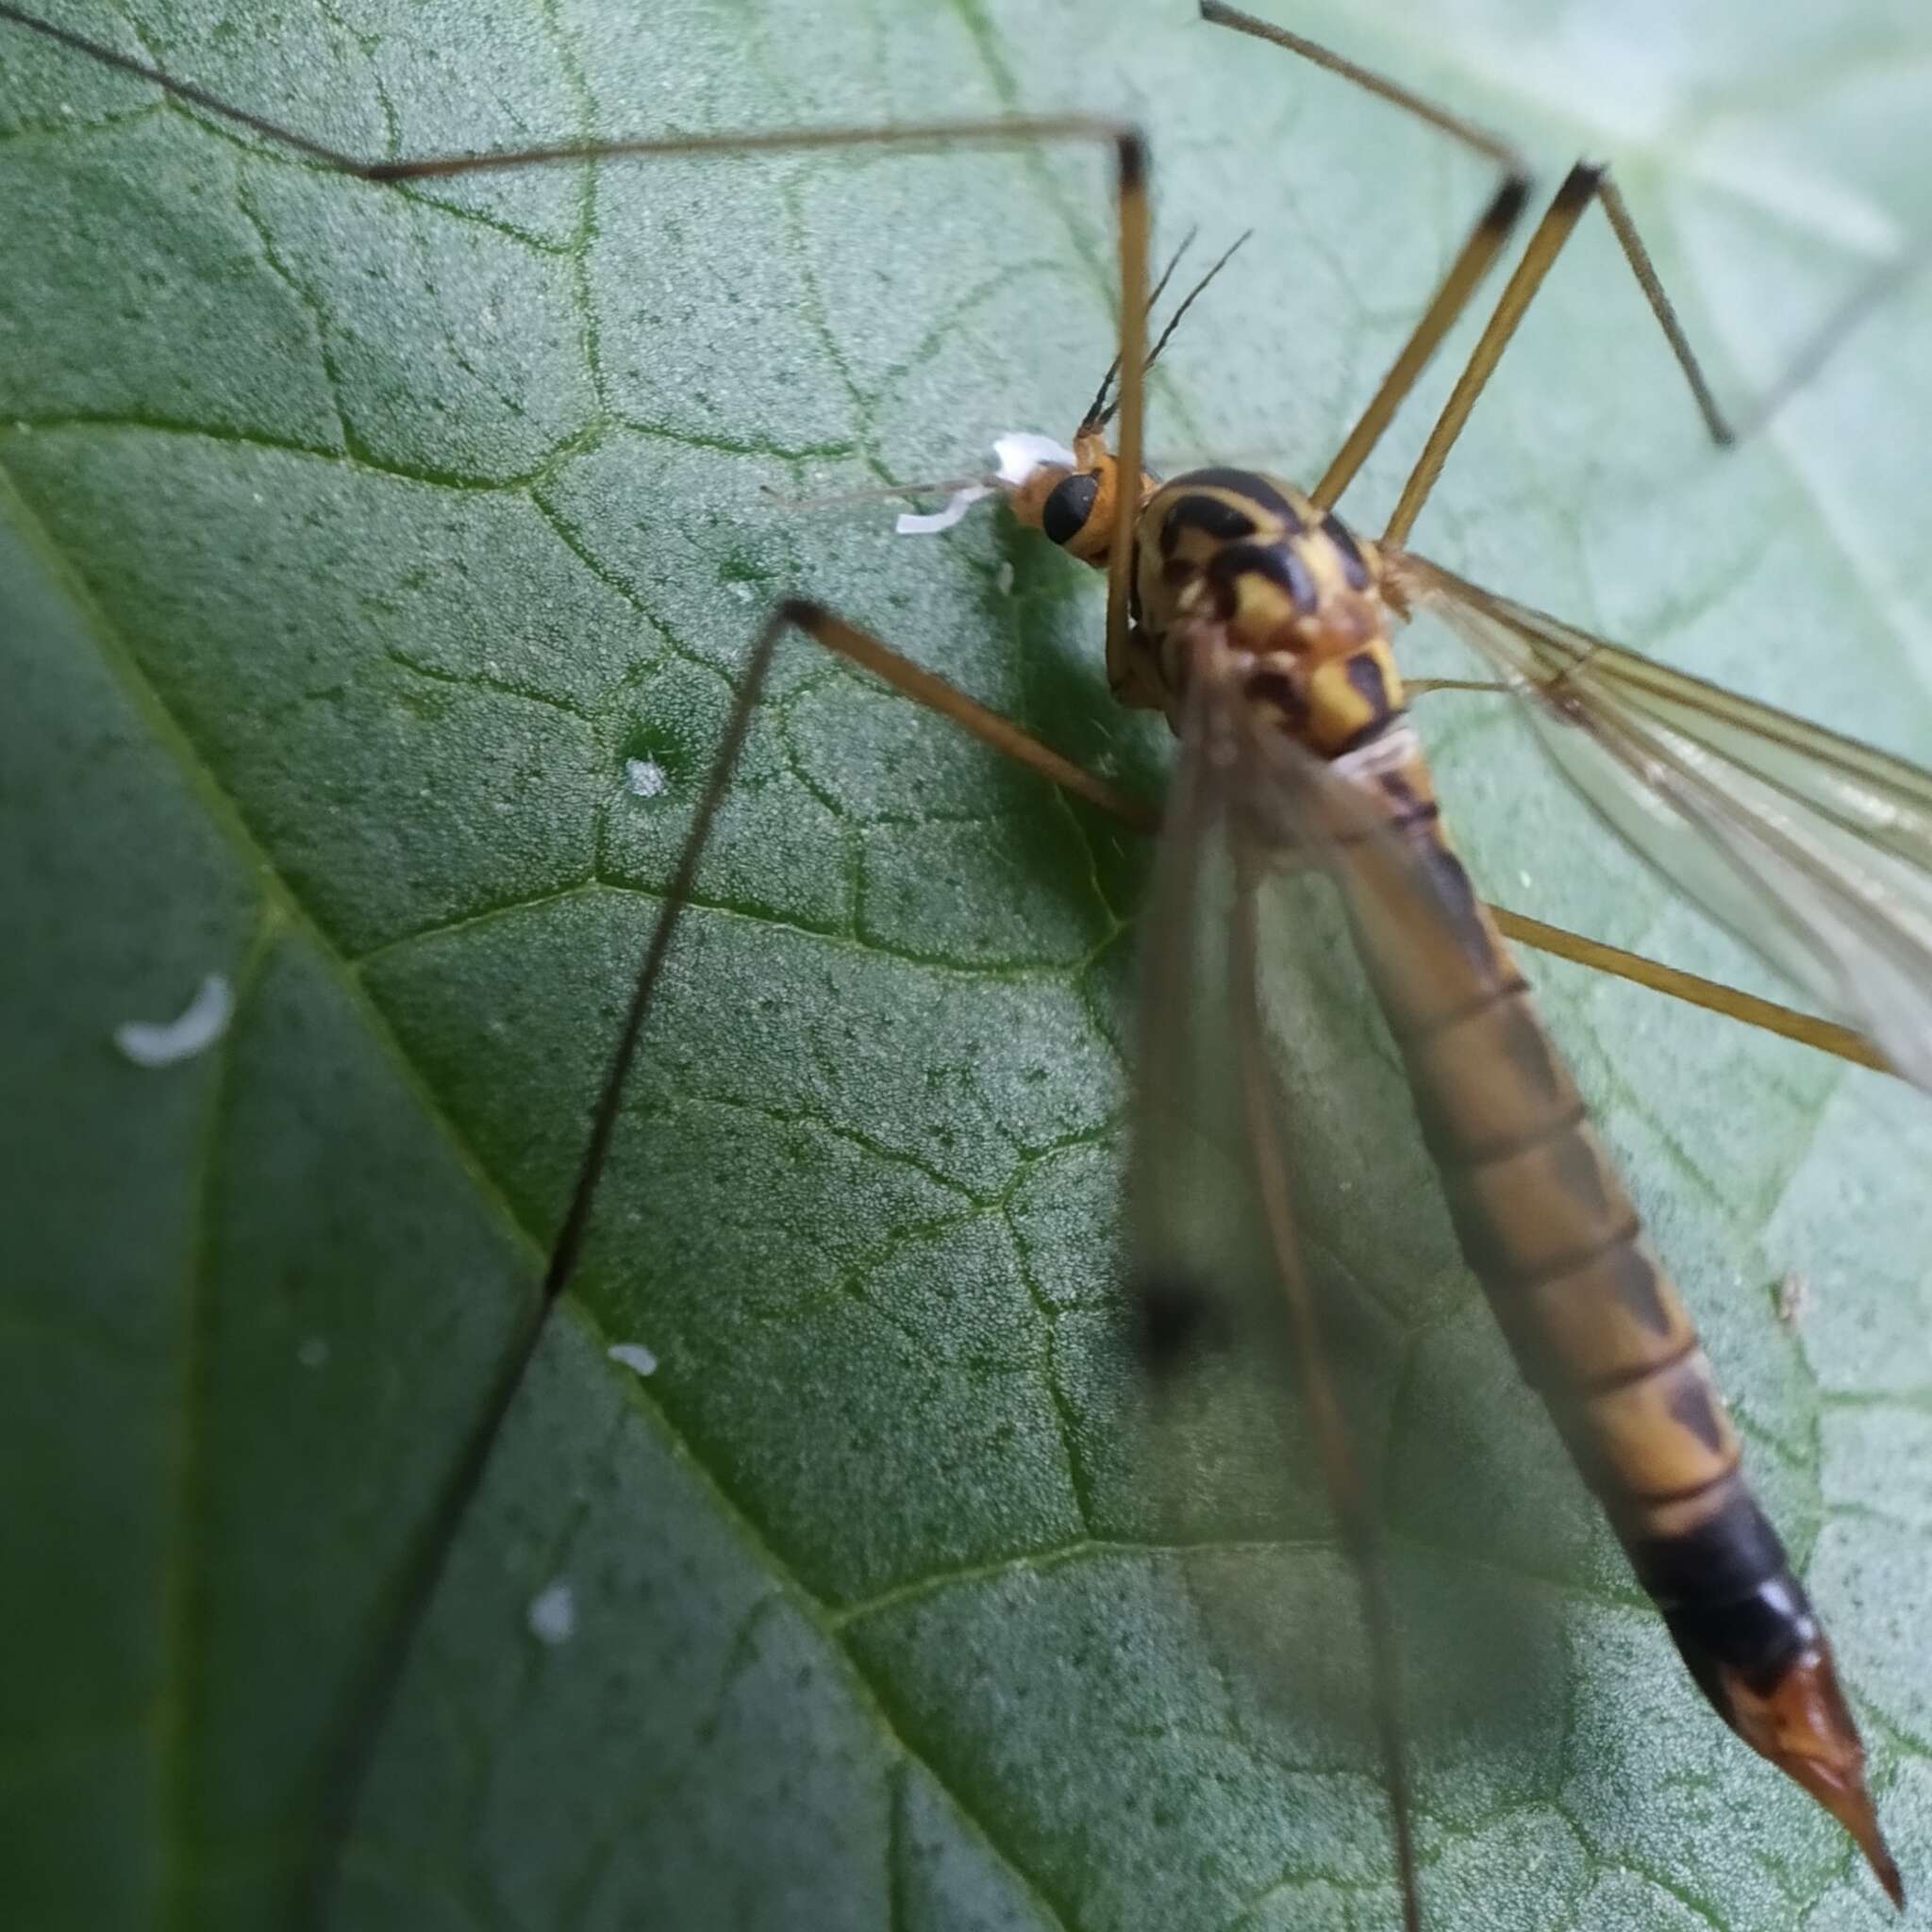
pixel 1131 178
pixel 925 687
pixel 1486 240
pixel 1558 224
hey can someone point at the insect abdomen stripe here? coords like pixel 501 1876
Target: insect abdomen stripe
pixel 1545 1223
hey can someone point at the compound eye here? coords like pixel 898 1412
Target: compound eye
pixel 1067 505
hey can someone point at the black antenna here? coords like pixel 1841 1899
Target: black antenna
pixel 1173 321
pixel 1094 418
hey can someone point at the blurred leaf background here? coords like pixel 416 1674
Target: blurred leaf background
pixel 376 569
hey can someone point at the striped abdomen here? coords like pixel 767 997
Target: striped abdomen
pixel 1592 1317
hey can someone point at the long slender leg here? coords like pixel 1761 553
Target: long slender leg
pixel 1017 131
pixel 925 687
pixel 920 684
pixel 1486 240
pixel 354 1745
pixel 1131 409
pixel 1587 182
pixel 1130 178
pixel 1492 229
pixel 1812 354
pixel 1806 363
pixel 1556 226
pixel 351 1748
pixel 427 1568
pixel 1342 1478
pixel 1713 997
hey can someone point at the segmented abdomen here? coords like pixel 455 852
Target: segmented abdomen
pixel 1547 1224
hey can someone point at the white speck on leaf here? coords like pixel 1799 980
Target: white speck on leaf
pixel 1794 1298
pixel 313 1353
pixel 741 591
pixel 633 1355
pixel 201 1022
pixel 553 1613
pixel 1003 579
pixel 646 777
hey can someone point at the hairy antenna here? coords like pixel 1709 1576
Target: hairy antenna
pixel 1173 321
pixel 1099 410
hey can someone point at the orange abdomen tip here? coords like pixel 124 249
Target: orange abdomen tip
pixel 1801 1723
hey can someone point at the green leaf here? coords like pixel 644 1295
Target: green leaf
pixel 367 559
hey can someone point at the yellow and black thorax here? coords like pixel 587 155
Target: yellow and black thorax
pixel 1286 584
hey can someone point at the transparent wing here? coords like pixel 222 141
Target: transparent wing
pixel 1254 997
pixel 1812 848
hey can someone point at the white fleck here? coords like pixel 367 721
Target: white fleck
pixel 1019 452
pixel 553 1613
pixel 1003 579
pixel 202 1021
pixel 646 777
pixel 741 591
pixel 1524 876
pixel 912 524
pixel 313 1353
pixel 1794 1298
pixel 633 1355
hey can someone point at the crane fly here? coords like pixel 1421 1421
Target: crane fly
pixel 1261 626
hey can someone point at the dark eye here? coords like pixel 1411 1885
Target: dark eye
pixel 1067 505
